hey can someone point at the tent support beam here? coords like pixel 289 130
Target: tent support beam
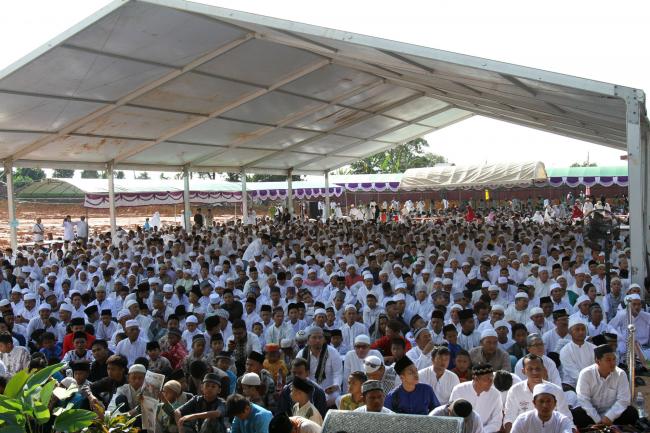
pixel 638 156
pixel 326 209
pixel 186 198
pixel 290 191
pixel 244 199
pixel 13 224
pixel 112 214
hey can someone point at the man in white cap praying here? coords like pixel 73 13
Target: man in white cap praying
pixel 133 346
pixel 544 418
pixel 576 354
pixel 489 352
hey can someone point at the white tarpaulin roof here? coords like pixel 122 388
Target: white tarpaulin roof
pixel 163 84
pixel 473 176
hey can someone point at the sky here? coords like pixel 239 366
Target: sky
pixel 601 40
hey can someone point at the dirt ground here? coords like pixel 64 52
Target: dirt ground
pixel 52 216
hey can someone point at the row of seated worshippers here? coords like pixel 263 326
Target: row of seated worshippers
pixel 432 312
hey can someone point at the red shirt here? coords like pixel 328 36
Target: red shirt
pixel 68 345
pixel 176 355
pixel 383 344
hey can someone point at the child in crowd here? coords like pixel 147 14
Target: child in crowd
pixel 301 391
pixel 354 398
pixel 463 366
pixel 275 365
pixel 157 363
pixel 80 353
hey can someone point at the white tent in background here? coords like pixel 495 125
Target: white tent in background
pixel 497 175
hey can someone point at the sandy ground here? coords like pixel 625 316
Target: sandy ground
pixel 52 216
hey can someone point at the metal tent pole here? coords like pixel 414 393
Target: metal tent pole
pixel 13 223
pixel 290 192
pixel 244 199
pixel 111 200
pixel 186 198
pixel 326 210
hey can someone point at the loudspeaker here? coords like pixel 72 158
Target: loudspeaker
pixel 313 210
pixel 337 421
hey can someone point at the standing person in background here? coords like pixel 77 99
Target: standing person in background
pixel 82 229
pixel 68 229
pixel 198 218
pixel 38 231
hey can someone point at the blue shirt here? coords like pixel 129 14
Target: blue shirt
pixel 420 401
pixel 257 422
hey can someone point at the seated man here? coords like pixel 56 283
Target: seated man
pixel 483 396
pixel 461 409
pixel 603 392
pixel 520 395
pixel 411 397
pixel 373 397
pixel 544 418
pixel 437 376
pixel 535 345
pixel 490 353
pixel 576 354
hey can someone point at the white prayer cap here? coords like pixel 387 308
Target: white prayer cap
pixel 573 321
pixel 44 306
pixel 66 307
pixel 251 379
pixel 16 290
pixel 397 266
pixel 4 302
pixel 350 307
pixel 29 297
pixel 582 270
pixel 132 323
pixel 372 363
pixel 311 271
pixel 521 295
pixel 448 271
pixel 447 282
pixel 214 298
pixel 130 303
pixel 502 280
pixel 485 284
pixel 320 311
pixel 368 276
pixel 426 271
pixel 400 286
pixel 498 307
pixel 545 388
pixel 493 288
pixel 399 297
pixel 168 288
pixel 542 269
pixel 633 297
pixel 155 280
pixel 535 311
pixel 437 280
pixel 190 319
pixel 362 339
pixel 529 283
pixel 465 264
pixel 634 286
pixel 51 274
pixel 501 324
pixel 455 307
pixel 555 286
pixel 488 333
pixel 581 299
pixel 138 368
pixel 286 343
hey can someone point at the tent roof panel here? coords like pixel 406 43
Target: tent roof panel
pixel 620 170
pixel 279 78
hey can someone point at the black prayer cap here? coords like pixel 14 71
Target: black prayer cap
pixel 91 310
pixel 559 313
pixel 256 356
pixel 302 385
pixel 403 364
pixel 77 321
pixel 465 314
pixel 481 369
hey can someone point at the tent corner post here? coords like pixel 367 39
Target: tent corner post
pixel 290 191
pixel 111 199
pixel 638 164
pixel 186 198
pixel 326 208
pixel 11 205
pixel 244 198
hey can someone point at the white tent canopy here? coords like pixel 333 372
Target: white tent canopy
pixel 174 85
pixel 497 175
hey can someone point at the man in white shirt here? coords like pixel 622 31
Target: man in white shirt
pixel 604 393
pixel 133 346
pixel 483 396
pixel 38 231
pixel 520 395
pixel 82 229
pixel 544 418
pixel 577 354
pixel 373 397
pixel 68 229
pixel 324 364
pixel 535 345
pixel 280 329
pixel 438 377
pixel 355 358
